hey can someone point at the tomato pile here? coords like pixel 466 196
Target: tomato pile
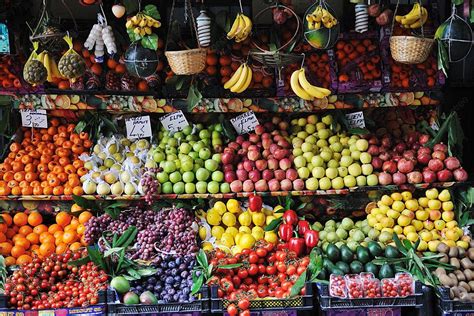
pixel 53 283
pixel 405 76
pixel 267 271
pixel 363 54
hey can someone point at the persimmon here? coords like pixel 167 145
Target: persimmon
pixel 5 190
pixel 61 248
pixel 46 237
pixel 19 176
pixel 22 242
pixel 7 219
pixel 69 237
pixel 35 218
pixel 47 190
pixel 75 246
pixel 37 190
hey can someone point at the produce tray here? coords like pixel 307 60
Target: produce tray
pixel 448 305
pixel 328 302
pixel 200 305
pixel 303 302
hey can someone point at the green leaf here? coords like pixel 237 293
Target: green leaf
pixel 146 271
pixel 194 97
pixel 273 224
pixel 80 127
pixel 299 284
pixel 152 11
pixel 133 37
pixel 202 259
pixel 209 271
pixel 133 273
pixel 111 251
pixel 80 262
pixel 458 2
pixel 399 244
pixel 127 237
pixel 231 266
pixel 121 260
pixel 150 41
pixel 83 202
pixel 197 283
pixel 407 244
pixel 96 257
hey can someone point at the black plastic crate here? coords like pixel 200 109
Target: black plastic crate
pixel 328 302
pixel 447 305
pixel 200 305
pixel 302 302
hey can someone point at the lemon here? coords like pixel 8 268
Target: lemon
pixel 378 226
pixel 429 225
pixel 277 208
pixel 411 204
pixel 422 246
pixel 396 196
pixel 237 237
pixel 435 234
pixel 387 222
pixel 406 195
pixel 258 232
pixel 232 230
pixel 202 232
pixel 217 231
pixel 271 237
pixel 258 218
pixel 213 217
pixel 433 245
pixel 398 206
pixel 207 246
pixel 384 209
pixel 245 229
pixel 386 200
pixel 388 230
pixel 447 206
pixel 229 219
pixel 422 215
pixel 219 206
pixel 451 234
pixel 411 236
pixel 227 240
pixel 236 250
pixel 269 219
pixel 233 206
pixel 423 201
pixel 246 241
pixel 463 244
pixel 439 224
pixel 432 194
pixel 444 195
pixel 245 218
pixel 403 220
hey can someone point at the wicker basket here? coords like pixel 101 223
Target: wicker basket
pixel 410 49
pixel 187 62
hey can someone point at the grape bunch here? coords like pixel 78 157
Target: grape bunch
pixel 150 184
pixel 172 281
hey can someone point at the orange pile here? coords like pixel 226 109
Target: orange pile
pixel 24 235
pixel 45 162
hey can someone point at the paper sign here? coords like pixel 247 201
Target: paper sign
pixel 138 127
pixel 174 122
pixel 34 118
pixel 355 120
pixel 245 123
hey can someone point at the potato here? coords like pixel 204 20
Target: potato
pixel 461 252
pixel 465 285
pixel 453 252
pixel 443 248
pixel 440 271
pixel 454 280
pixel 444 258
pixel 459 275
pixel 471 244
pixel 470 253
pixel 471 284
pixel 467 263
pixel 447 281
pixel 469 275
pixel 455 263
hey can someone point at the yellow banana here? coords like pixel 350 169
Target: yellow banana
pixel 235 77
pixel 236 26
pixel 247 81
pixel 313 91
pixel 422 20
pixel 414 15
pixel 296 87
pixel 47 65
pixel 242 79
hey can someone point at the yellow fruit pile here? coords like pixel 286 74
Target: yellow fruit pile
pixel 430 218
pixel 230 227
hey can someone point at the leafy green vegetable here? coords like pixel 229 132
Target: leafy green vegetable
pixel 274 224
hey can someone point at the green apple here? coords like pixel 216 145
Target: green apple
pixel 187 130
pixel 333 163
pixel 365 157
pixel 297 152
pixel 198 146
pixel 307 147
pixel 320 126
pixel 308 156
pixel 187 165
pixel 217 158
pixel 355 169
pixel 322 143
pixel 185 148
pixel 337 147
pixel 204 153
pixel 188 176
pixel 162 177
pixel 346 152
pixel 331 173
pixel 325 183
pixel 312 184
pixel 311 139
pixel 202 174
pixel 372 180
pixel 326 155
pixel 213 187
pixel 204 134
pixel 333 139
pixel 361 181
pixel 302 135
pixel 201 187
pixel 327 119
pixel 346 161
pixel 178 188
pixel 172 142
pixel 318 172
pixel 342 171
pixel 167 188
pixel 158 156
pixel 367 169
pixel 175 177
pixel 299 161
pixel 317 161
pixel 217 176
pixel 225 187
pixel 169 167
pixel 190 188
pixel 350 181
pixel 337 183
pixel 362 144
pixel 310 128
pixel 178 135
pixel 211 165
pixel 194 155
pixel 324 133
pixel 303 173
pixel 355 155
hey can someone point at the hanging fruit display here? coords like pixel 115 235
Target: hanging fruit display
pixel 321 27
pixel 304 89
pixel 140 27
pixel 241 28
pixel 71 65
pixel 416 18
pixel 34 71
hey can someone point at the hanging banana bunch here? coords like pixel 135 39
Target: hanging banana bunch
pixel 416 18
pixel 241 27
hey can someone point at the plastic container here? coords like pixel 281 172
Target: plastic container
pixel 366 276
pixel 405 283
pixel 389 287
pixel 337 286
pixel 447 305
pixel 354 286
pixel 372 288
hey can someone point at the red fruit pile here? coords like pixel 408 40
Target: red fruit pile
pixel 403 76
pixel 53 283
pixel 362 53
pixel 261 161
pixel 267 271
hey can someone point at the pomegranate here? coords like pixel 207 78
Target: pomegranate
pixel 438 154
pixel 280 174
pixel 373 150
pixel 460 174
pixel 424 138
pixel 298 185
pixel 452 163
pixel 435 165
pixel 444 175
pixel 389 166
pixel 259 130
pixel 254 175
pixel 291 174
pixel 409 154
pixel 274 185
pixel 423 158
pixel 400 148
pixel 248 186
pixel 230 176
pixel 429 176
pixel 415 177
pixel 236 186
pixel 399 178
pixel 227 158
pixel 377 163
pixel 385 178
pixel 286 185
pixel 424 150
pixel 405 165
pixel 384 156
pixel 261 186
pixel 267 175
pixel 386 142
pixel 440 147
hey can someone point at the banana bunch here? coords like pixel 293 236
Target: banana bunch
pixel 305 90
pixel 241 28
pixel 414 19
pixel 319 18
pixel 142 24
pixel 50 64
pixel 240 80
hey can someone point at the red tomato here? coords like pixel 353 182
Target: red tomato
pixel 262 291
pixel 291 269
pixel 244 304
pixel 242 273
pixel 244 313
pixel 253 258
pixel 232 310
pixel 271 270
pixel 261 252
pixel 281 267
pixel 261 268
pixel 253 269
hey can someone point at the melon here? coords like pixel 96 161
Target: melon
pixel 456 36
pixel 323 38
pixel 140 61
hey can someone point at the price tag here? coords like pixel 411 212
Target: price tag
pixel 138 127
pixel 245 123
pixel 34 118
pixel 174 122
pixel 356 120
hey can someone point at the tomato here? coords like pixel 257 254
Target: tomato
pixel 281 277
pixel 244 313
pixel 242 273
pixel 227 285
pixel 271 258
pixel 279 293
pixel 253 286
pixel 261 252
pixel 286 285
pixel 261 268
pixel 262 279
pixel 303 291
pixel 281 267
pixel 220 293
pixel 271 292
pixel 246 251
pixel 271 270
pixel 232 310
pixel 304 262
pixel 253 269
pixel 231 260
pixel 262 291
pixel 291 269
pixel 248 280
pixel 252 293
pixel 220 254
pixel 300 270
pixel 268 247
pixel 243 287
pixel 244 304
pixel 253 258
pixel 236 280
pixel 280 256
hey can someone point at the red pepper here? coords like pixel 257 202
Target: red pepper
pixel 290 217
pixel 255 203
pixel 285 231
pixel 303 227
pixel 297 245
pixel 311 238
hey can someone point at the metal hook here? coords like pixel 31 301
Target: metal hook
pixel 302 62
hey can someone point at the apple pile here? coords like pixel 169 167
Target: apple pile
pixel 261 160
pixel 325 159
pixel 189 160
pixel 410 161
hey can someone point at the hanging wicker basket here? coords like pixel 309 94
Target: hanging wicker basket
pixel 189 61
pixel 410 49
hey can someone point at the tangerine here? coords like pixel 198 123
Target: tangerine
pixel 46 238
pixel 35 218
pixel 5 248
pixel 54 228
pixel 33 238
pixel 69 237
pixel 40 229
pixel 46 249
pixel 63 218
pixel 17 251
pixel 75 246
pixel 61 248
pixel 10 261
pixel 20 219
pixel 24 259
pixel 25 230
pixel 22 242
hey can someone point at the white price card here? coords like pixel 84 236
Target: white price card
pixel 34 118
pixel 138 127
pixel 174 122
pixel 355 120
pixel 245 123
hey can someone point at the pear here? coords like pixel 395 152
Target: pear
pixel 108 162
pixel 112 149
pixel 110 177
pixel 89 165
pixel 130 188
pixel 102 156
pixel 116 166
pixel 125 176
pixel 117 188
pixel 143 144
pixel 103 188
pixel 89 187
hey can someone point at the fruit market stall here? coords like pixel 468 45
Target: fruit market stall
pixel 245 158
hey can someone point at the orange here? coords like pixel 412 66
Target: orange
pixel 54 228
pixel 111 63
pixel 3 237
pixel 24 259
pixel 20 219
pixel 63 85
pixel 3 227
pixel 69 237
pixel 40 229
pixel 142 86
pixel 5 248
pixel 10 261
pixel 17 251
pixel 7 219
pixel 22 242
pixel 63 218
pixel 46 238
pixel 73 225
pixel 33 238
pixel 46 249
pixel 10 233
pixel 25 230
pixel 16 237
pixel 61 248
pixel 96 69
pixel 80 229
pixel 75 246
pixel 120 69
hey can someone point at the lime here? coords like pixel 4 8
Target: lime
pixel 217 231
pixel 229 219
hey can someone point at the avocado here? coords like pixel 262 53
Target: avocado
pixel 328 264
pixel 391 252
pixel 346 254
pixel 375 249
pixel 363 254
pixel 344 267
pixel 370 267
pixel 333 253
pixel 386 271
pixel 323 275
pixel 357 266
pixel 337 271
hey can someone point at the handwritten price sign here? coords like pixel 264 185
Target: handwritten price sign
pixel 245 123
pixel 138 127
pixel 174 122
pixel 356 120
pixel 34 118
